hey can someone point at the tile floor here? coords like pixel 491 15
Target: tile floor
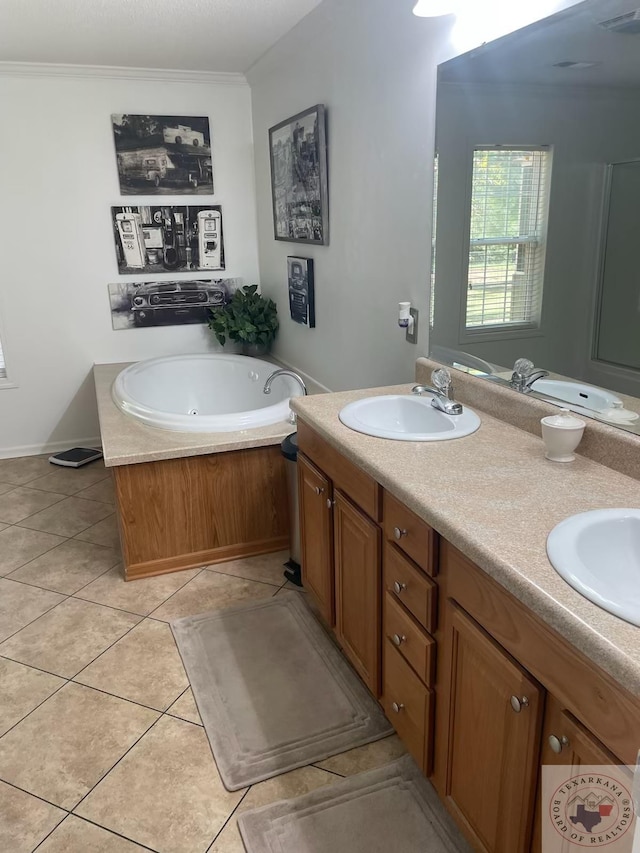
pixel 101 746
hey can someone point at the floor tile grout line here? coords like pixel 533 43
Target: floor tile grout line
pixel 242 577
pixel 37 796
pixel 47 588
pixel 111 645
pixel 115 696
pixel 113 766
pixel 5 656
pixel 324 769
pixel 74 536
pixel 65 681
pixel 42 840
pixel 225 824
pixel 64 538
pixel 26 625
pixel 31 514
pixel 112 831
pixel 150 615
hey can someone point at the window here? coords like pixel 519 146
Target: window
pixel 3 369
pixel 509 202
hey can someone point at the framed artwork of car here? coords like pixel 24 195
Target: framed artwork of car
pixel 299 185
pixel 302 303
pixel 136 305
pixel 163 155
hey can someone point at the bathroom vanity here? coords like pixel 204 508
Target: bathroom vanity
pixel 428 563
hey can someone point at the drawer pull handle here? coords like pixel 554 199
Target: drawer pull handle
pixel 399 533
pixel 519 703
pixel 398 640
pixel 398 587
pixel 557 744
pixel 319 490
pixel 397 707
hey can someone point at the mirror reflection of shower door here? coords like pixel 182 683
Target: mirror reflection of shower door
pixel 618 340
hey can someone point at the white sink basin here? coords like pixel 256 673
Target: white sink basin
pixel 598 553
pixel 406 417
pixel 577 394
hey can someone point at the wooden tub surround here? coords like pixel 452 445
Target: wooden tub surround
pixel 181 513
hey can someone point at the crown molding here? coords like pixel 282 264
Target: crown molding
pixel 108 72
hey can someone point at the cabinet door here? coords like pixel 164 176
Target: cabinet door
pixel 316 539
pixel 358 590
pixel 566 743
pixel 493 727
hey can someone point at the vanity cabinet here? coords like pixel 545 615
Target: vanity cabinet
pixel 481 691
pixel 315 496
pixel 492 717
pixel 341 550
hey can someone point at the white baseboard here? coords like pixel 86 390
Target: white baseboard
pixel 49 447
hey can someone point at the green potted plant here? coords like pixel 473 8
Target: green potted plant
pixel 248 319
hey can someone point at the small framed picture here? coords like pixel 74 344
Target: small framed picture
pixel 298 152
pixel 301 293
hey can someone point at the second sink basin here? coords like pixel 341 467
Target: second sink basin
pixel 406 418
pixel 598 553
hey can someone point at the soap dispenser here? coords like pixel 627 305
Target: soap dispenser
pixel 562 434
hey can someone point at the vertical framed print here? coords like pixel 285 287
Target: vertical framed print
pixel 301 291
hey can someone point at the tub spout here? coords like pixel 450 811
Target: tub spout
pixel 267 387
pixel 299 380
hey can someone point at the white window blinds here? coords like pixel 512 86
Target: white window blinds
pixel 509 202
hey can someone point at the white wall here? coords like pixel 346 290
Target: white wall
pixel 373 64
pixel 587 129
pixel 58 180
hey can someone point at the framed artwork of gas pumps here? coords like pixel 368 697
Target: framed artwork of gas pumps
pixel 302 306
pixel 168 238
pixel 163 155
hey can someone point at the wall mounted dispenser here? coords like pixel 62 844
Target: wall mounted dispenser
pixel 408 319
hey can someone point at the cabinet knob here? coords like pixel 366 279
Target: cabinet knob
pixel 319 490
pixel 557 744
pixel 397 707
pixel 398 640
pixel 518 703
pixel 398 587
pixel 399 533
pixel 330 503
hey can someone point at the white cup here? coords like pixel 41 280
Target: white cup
pixel 561 435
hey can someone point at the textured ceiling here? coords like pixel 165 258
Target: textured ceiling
pixel 202 35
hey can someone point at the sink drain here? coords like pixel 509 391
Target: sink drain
pixel 192 412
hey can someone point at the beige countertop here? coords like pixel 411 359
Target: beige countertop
pixel 126 441
pixel 495 497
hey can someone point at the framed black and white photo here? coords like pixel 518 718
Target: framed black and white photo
pixel 298 151
pixel 301 291
pixel 163 155
pixel 136 305
pixel 168 238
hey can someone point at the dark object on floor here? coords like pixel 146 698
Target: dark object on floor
pixel 293 572
pixel 273 690
pixel 393 808
pixel 289 448
pixel 76 457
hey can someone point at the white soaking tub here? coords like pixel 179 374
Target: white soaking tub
pixel 203 393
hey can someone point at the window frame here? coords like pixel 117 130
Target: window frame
pixel 498 331
pixel 5 381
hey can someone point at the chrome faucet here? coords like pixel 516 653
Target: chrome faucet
pixel 524 375
pixel 267 386
pixel 442 392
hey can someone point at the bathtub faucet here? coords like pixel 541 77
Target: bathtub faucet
pixel 299 380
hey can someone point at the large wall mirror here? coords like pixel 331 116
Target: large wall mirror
pixel 537 212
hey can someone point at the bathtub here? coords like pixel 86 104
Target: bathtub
pixel 203 393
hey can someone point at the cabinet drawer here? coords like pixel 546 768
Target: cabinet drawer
pixel 407 584
pixel 416 647
pixel 410 533
pixel 409 706
pixel 359 486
